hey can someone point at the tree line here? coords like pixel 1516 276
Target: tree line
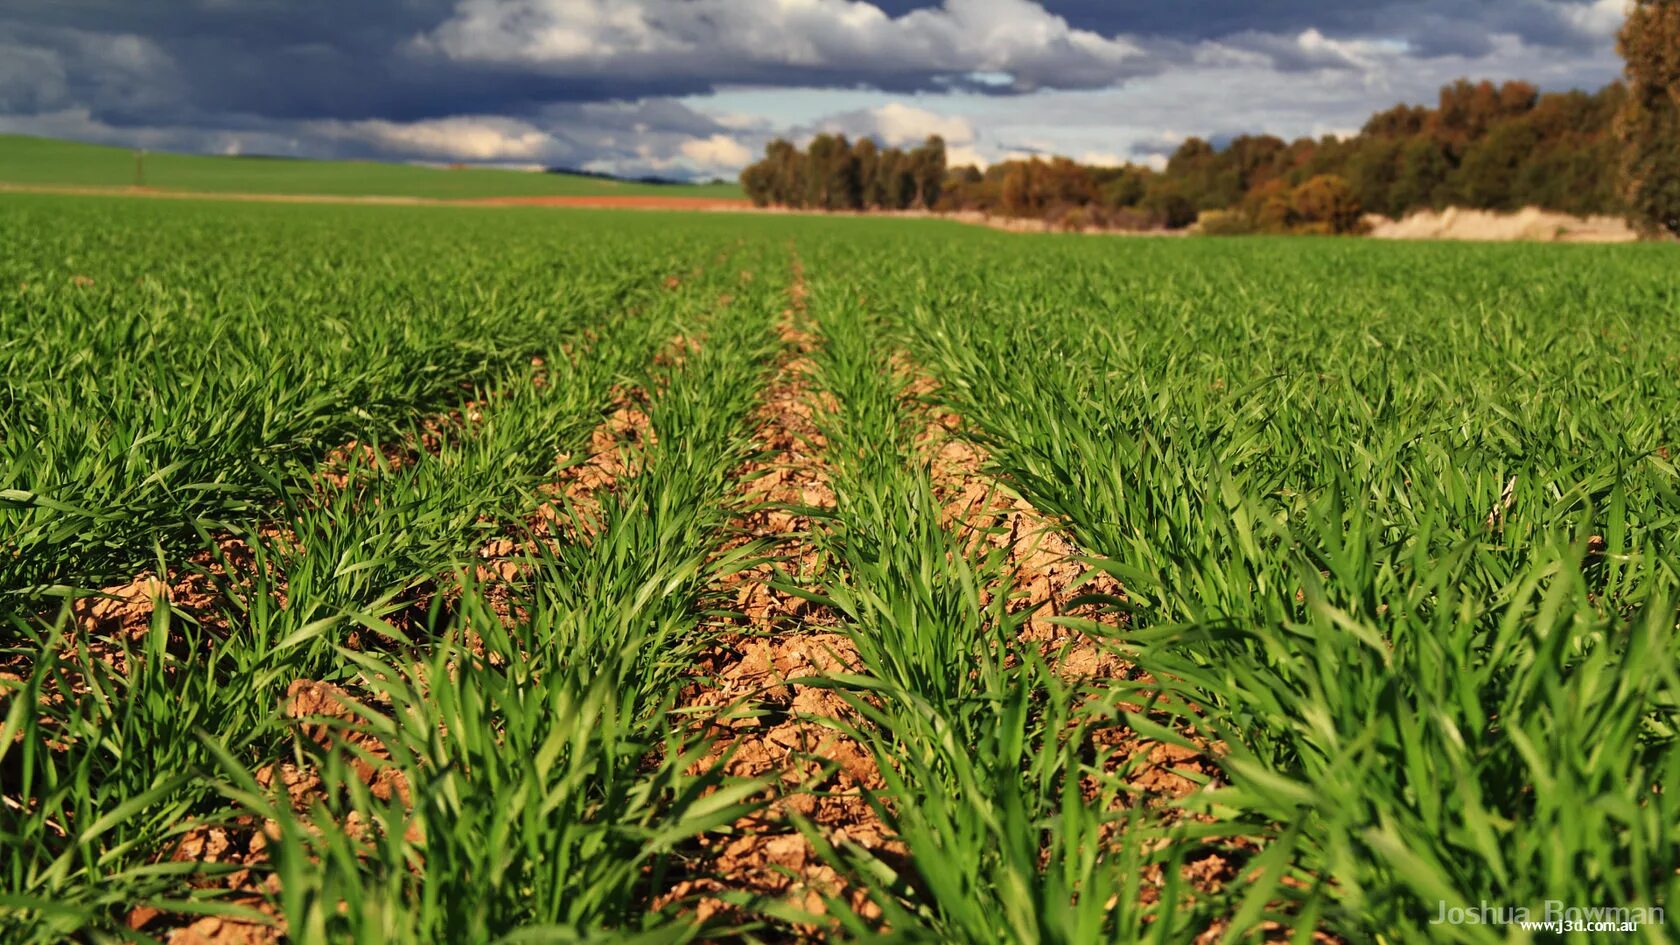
pixel 835 174
pixel 1483 146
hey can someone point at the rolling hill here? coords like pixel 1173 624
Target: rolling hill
pixel 47 162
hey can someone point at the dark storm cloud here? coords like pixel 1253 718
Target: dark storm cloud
pixel 312 76
pixel 304 60
pixel 999 46
pixel 410 59
pixel 1433 27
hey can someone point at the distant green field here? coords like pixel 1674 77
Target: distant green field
pixel 49 162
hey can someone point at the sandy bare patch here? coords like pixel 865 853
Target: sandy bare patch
pixel 621 202
pixel 1530 224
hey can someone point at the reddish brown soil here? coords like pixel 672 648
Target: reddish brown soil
pixel 621 202
pixel 326 714
pixel 599 201
pixel 197 591
pixel 115 621
pixel 1044 576
pixel 126 610
pixel 572 499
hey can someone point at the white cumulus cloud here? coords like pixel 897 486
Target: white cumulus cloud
pixel 896 125
pixel 718 152
pixel 460 138
pixel 1103 159
pixel 1016 42
pixel 1600 18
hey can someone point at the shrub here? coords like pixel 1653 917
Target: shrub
pixel 1225 223
pixel 1326 204
pixel 1131 219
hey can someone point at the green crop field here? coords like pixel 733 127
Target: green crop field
pixel 48 162
pixel 421 574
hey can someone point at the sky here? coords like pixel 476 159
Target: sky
pixel 695 88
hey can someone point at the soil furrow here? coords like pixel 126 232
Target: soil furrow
pixel 197 590
pixel 764 723
pixel 243 844
pixel 1043 581
pixel 201 592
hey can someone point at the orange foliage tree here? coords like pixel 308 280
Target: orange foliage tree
pixel 1326 204
pixel 1648 125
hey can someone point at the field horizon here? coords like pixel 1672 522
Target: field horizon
pixel 38 161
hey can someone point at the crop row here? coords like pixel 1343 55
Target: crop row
pixel 1395 529
pixel 457 607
